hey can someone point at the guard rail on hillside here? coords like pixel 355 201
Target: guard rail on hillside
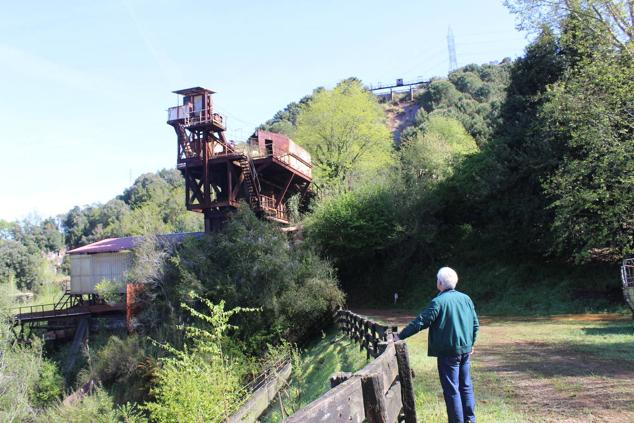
pixel 262 392
pixel 381 392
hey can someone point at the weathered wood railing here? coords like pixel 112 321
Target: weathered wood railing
pixel 381 392
pixel 370 335
pixel 262 392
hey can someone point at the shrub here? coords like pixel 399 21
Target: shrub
pixel 49 386
pixel 95 408
pixel 124 367
pixel 249 263
pixel 19 370
pixel 199 382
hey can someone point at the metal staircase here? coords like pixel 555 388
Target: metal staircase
pixel 183 140
pixel 251 181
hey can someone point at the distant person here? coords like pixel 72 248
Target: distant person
pixel 453 327
pixel 395 297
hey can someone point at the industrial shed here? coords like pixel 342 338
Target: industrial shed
pixel 108 259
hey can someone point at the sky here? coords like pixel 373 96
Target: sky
pixel 85 85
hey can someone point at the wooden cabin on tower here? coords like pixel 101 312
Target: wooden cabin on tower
pixel 264 172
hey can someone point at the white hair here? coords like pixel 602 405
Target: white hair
pixel 447 277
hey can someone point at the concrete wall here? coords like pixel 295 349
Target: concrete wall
pixel 87 270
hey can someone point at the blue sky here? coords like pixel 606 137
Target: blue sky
pixel 85 85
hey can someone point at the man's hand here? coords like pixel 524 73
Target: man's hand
pixel 472 350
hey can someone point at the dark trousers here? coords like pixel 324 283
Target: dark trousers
pixel 457 388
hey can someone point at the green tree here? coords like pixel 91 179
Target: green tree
pixel 433 153
pixel 499 191
pixel 612 20
pixel 199 383
pixel 18 264
pixel 590 113
pixel 344 130
pixel 473 95
pixel 285 121
pixel 249 263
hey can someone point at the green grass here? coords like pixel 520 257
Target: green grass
pixel 49 293
pixel 548 360
pixel 333 353
pixel 539 352
pixel 494 400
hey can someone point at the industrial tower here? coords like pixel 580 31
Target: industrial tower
pixel 451 46
pixel 264 172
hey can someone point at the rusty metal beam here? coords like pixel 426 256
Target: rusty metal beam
pixel 288 184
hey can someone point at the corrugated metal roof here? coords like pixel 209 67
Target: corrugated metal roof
pixel 193 90
pixel 114 245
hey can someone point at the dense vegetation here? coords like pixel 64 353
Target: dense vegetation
pixel 216 307
pixel 545 189
pixel 153 204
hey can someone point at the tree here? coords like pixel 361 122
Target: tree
pixel 148 187
pixel 473 95
pixel 433 153
pixel 285 121
pixel 17 263
pixel 592 190
pixel 250 263
pixel 344 131
pixel 614 18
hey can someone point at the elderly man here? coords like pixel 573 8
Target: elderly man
pixel 453 326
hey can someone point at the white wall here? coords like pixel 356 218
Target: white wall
pixel 87 270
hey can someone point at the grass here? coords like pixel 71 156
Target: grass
pixel 333 353
pixel 494 400
pixel 575 368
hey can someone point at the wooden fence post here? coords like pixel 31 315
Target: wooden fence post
pixel 374 398
pixel 368 341
pixel 405 376
pixel 338 378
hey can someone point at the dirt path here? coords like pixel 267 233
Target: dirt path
pixel 548 379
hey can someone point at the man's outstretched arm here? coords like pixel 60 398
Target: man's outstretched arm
pixel 422 321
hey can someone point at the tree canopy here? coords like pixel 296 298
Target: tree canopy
pixel 345 132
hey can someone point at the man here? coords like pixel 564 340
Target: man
pixel 453 327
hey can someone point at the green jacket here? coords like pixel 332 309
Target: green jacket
pixel 452 322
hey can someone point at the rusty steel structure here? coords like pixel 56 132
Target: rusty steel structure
pixel 264 172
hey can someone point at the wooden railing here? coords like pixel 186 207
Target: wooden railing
pixel 381 392
pixel 262 391
pixel 370 335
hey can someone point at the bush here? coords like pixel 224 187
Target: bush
pixel 199 382
pixel 19 370
pixel 124 367
pixel 49 386
pixel 95 408
pixel 249 264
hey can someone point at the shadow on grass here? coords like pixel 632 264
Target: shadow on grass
pixel 627 329
pixel 548 361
